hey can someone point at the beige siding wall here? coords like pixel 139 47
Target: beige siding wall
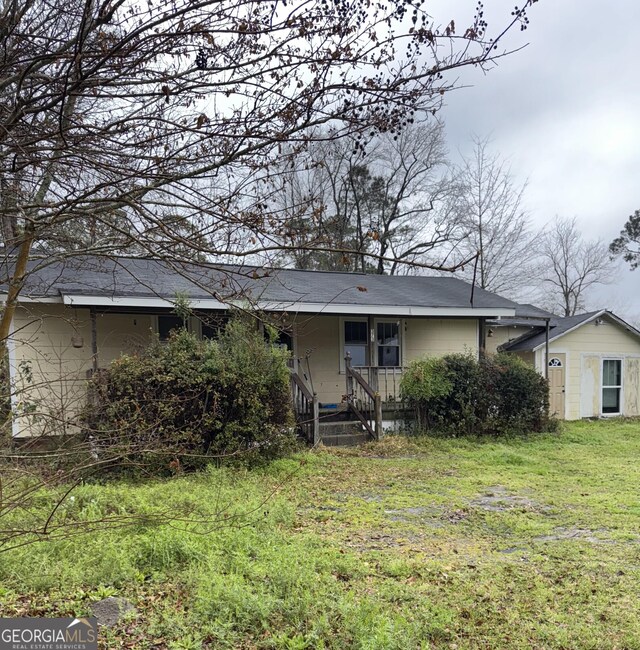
pixel 318 340
pixel 502 335
pixel 436 337
pixel 51 354
pixel 585 348
pixel 321 338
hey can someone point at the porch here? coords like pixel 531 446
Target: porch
pixel 370 405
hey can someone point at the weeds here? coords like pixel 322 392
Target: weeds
pixel 411 543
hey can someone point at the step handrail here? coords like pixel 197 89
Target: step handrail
pixel 306 408
pixel 298 381
pixel 371 399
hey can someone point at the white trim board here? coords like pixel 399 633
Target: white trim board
pixel 297 307
pixel 603 312
pixel 620 387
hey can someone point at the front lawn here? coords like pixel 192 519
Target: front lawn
pixel 419 543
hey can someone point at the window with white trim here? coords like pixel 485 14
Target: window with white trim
pixel 388 343
pixel 355 341
pixel 611 386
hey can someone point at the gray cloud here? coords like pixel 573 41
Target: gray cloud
pixel 566 111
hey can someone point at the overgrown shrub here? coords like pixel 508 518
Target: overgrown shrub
pixel 458 411
pixel 456 394
pixel 424 381
pixel 180 401
pixel 516 396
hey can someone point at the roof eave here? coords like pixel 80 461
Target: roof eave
pixel 291 307
pixel 575 327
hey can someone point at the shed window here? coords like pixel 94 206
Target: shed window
pixel 611 385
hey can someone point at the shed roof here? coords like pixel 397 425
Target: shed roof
pixel 536 338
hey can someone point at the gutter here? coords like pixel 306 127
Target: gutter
pixel 294 307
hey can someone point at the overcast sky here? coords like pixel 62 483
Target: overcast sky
pixel 566 112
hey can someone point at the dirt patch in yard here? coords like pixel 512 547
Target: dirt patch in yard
pixel 562 534
pixel 427 515
pixel 498 499
pixel 375 541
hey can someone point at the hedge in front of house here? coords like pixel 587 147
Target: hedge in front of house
pixel 182 400
pixel 456 394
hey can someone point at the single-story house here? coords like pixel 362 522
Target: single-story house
pixel 348 332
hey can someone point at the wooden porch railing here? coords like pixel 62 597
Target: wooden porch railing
pixel 384 380
pixel 306 409
pixel 363 400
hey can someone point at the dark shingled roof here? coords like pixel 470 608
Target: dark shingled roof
pixel 137 277
pixel 526 316
pixel 531 340
pixel 531 311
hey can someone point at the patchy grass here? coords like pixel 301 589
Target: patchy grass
pixel 410 543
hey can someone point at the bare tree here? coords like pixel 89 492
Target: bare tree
pixel 156 128
pixel 491 210
pixel 383 205
pixel 628 243
pixel 570 266
pixel 148 110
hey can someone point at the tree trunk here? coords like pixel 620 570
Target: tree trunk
pixel 15 287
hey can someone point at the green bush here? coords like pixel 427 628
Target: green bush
pixel 457 411
pixel 516 396
pixel 424 381
pixel 456 394
pixel 184 400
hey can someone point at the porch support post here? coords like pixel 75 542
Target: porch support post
pixel 378 415
pixel 316 420
pixel 372 354
pixel 546 349
pixel 348 377
pixel 94 339
pixel 482 338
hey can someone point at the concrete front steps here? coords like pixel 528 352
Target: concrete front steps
pixel 343 434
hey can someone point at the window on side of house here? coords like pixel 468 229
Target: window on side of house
pixel 284 340
pixel 611 386
pixel 211 327
pixel 281 338
pixel 355 341
pixel 167 323
pixel 388 343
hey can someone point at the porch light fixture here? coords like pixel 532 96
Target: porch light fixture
pixel 77 341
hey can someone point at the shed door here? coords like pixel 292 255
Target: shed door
pixel 557 384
